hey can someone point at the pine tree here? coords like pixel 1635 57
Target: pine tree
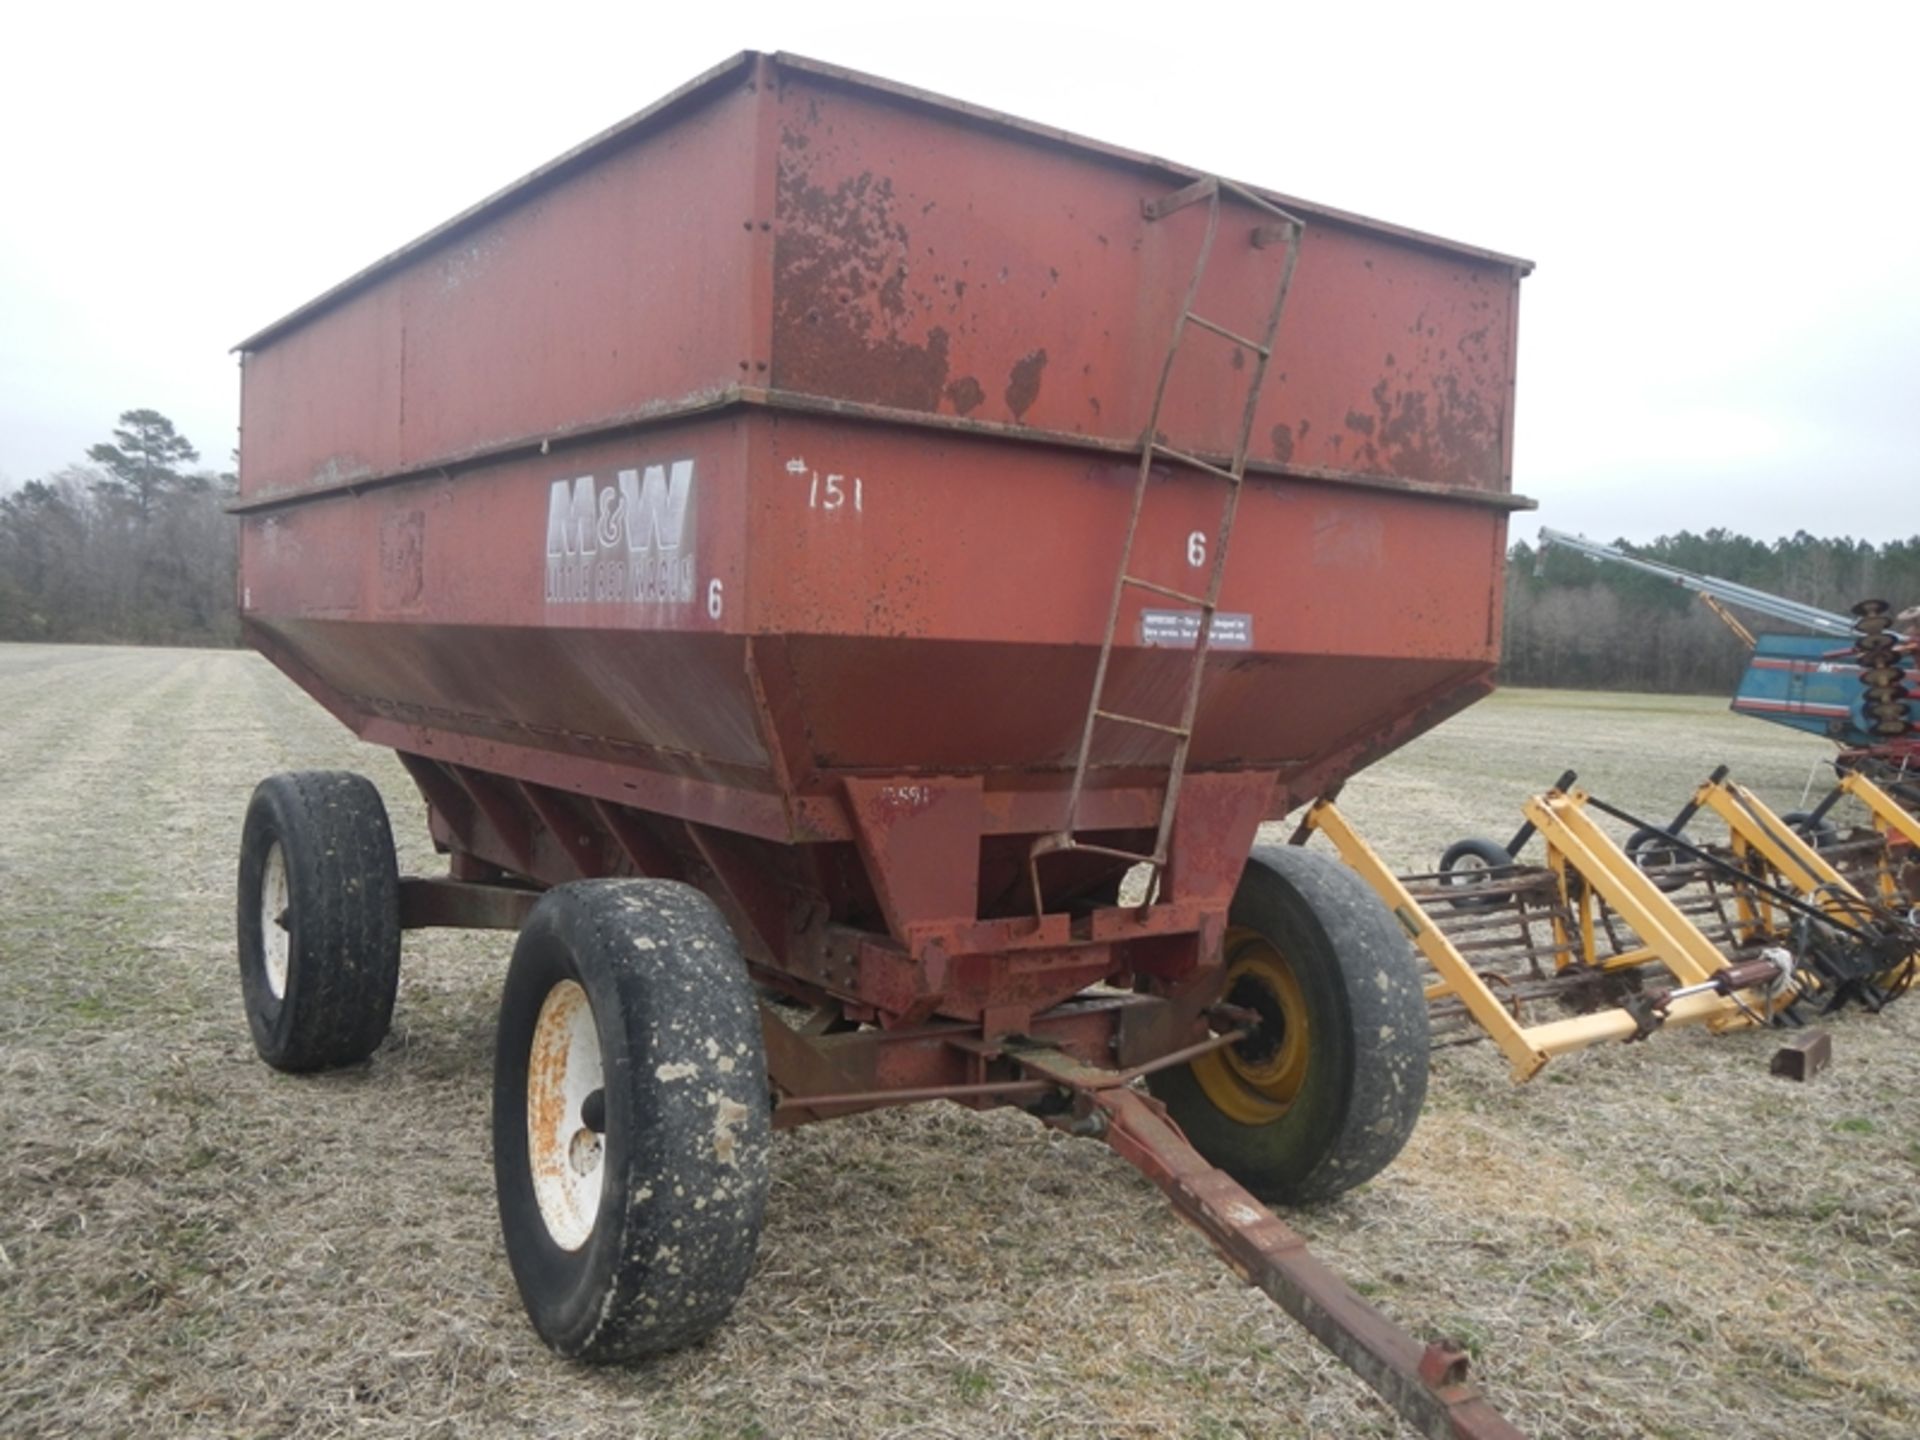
pixel 143 464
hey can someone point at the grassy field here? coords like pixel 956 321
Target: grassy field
pixel 1655 1240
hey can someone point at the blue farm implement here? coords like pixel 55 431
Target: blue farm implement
pixel 1854 680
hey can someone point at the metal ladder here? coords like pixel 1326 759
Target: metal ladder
pixel 1285 229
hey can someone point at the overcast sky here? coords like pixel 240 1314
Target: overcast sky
pixel 1724 201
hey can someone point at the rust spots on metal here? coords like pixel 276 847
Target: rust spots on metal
pixel 1023 382
pixel 546 1099
pixel 965 394
pixel 841 321
pixel 1435 412
pixel 1282 436
pixel 402 559
pixel 1444 1363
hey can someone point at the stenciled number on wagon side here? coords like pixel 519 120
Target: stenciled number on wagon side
pixel 1197 549
pixel 829 491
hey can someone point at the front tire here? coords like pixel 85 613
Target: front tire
pixel 1325 1092
pixel 319 919
pixel 631 1125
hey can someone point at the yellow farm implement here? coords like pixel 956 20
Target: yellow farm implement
pixel 1599 943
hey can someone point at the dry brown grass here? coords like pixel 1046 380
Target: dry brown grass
pixel 1659 1240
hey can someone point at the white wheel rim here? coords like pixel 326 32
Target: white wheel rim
pixel 276 936
pixel 567 1159
pixel 1469 870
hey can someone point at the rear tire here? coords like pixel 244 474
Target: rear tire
pixel 1327 1090
pixel 631 1126
pixel 319 919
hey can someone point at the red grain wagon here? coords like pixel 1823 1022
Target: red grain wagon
pixel 787 541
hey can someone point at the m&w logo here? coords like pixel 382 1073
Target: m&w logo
pixel 627 542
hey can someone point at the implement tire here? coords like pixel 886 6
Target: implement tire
pixel 319 919
pixel 1469 863
pixel 631 1126
pixel 1326 1091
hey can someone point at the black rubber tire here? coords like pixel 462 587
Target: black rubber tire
pixel 342 918
pixel 688 1136
pixel 1818 834
pixel 1652 852
pixel 1492 852
pixel 1367 1070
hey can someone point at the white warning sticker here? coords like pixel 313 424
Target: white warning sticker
pixel 1180 630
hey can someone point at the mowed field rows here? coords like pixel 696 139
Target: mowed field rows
pixel 1649 1240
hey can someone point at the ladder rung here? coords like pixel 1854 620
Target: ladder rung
pixel 1196 462
pixel 1166 590
pixel 1224 333
pixel 1115 715
pixel 1086 847
pixel 1201 189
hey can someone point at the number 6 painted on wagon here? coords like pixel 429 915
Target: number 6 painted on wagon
pixel 1197 549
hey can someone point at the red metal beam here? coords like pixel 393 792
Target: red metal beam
pixel 1424 1383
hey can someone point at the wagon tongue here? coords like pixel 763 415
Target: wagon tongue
pixel 1426 1384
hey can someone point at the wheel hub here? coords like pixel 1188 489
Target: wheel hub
pixel 1269 1034
pixel 1256 1080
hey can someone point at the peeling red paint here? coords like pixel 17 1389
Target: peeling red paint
pixel 1023 382
pixel 965 395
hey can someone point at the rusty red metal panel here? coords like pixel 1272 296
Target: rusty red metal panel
pixel 921 843
pixel 834 238
pixel 974 272
pixel 623 291
pixel 916 593
pixel 761 581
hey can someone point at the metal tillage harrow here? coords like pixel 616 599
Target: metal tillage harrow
pixel 1605 942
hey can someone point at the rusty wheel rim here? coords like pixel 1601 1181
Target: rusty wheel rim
pixel 1257 1080
pixel 566 1123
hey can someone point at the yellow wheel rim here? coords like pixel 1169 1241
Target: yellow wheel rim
pixel 1257 1080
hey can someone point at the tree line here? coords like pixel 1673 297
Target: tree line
pixel 1583 624
pixel 133 545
